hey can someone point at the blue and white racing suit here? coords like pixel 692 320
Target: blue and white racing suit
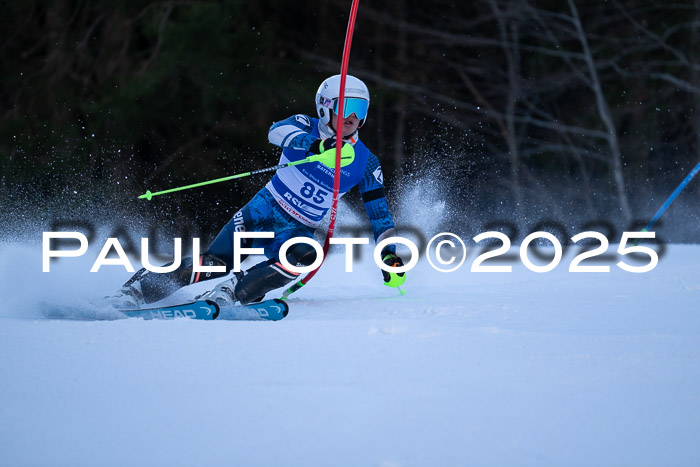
pixel 291 205
pixel 297 198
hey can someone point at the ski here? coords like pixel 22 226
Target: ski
pixel 273 310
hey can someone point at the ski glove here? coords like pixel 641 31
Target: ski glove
pixel 393 279
pixel 322 145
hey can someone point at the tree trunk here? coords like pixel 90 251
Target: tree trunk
pixel 606 117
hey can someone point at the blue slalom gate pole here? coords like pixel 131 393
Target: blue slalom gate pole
pixel 673 196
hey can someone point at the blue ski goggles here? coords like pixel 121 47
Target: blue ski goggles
pixel 352 105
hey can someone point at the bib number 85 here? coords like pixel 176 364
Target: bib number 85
pixel 309 191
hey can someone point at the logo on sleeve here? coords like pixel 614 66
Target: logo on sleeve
pixel 303 119
pixel 378 175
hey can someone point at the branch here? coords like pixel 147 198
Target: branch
pixel 413 90
pixel 166 14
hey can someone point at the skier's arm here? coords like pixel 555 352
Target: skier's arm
pixel 295 132
pixel 372 191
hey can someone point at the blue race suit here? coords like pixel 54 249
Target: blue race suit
pixel 305 191
pixel 291 205
pixel 297 198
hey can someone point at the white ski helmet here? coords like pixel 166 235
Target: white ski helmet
pixel 356 98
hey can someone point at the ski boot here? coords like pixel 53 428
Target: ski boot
pixel 126 298
pixel 224 294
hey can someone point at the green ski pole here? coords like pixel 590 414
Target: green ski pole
pixel 326 158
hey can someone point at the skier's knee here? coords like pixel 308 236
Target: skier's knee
pixel 301 254
pixel 259 280
pixel 269 275
pixel 209 260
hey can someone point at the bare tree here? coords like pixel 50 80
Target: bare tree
pixel 605 114
pixel 508 25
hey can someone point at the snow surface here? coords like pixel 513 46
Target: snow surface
pixel 467 368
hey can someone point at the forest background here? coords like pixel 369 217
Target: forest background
pixel 516 114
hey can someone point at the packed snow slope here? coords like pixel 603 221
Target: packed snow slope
pixel 467 368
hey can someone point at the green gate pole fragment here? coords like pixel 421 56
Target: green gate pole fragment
pixel 326 158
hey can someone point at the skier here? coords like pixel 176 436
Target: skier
pixel 292 204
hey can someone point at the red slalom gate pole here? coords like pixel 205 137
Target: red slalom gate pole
pixel 338 137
